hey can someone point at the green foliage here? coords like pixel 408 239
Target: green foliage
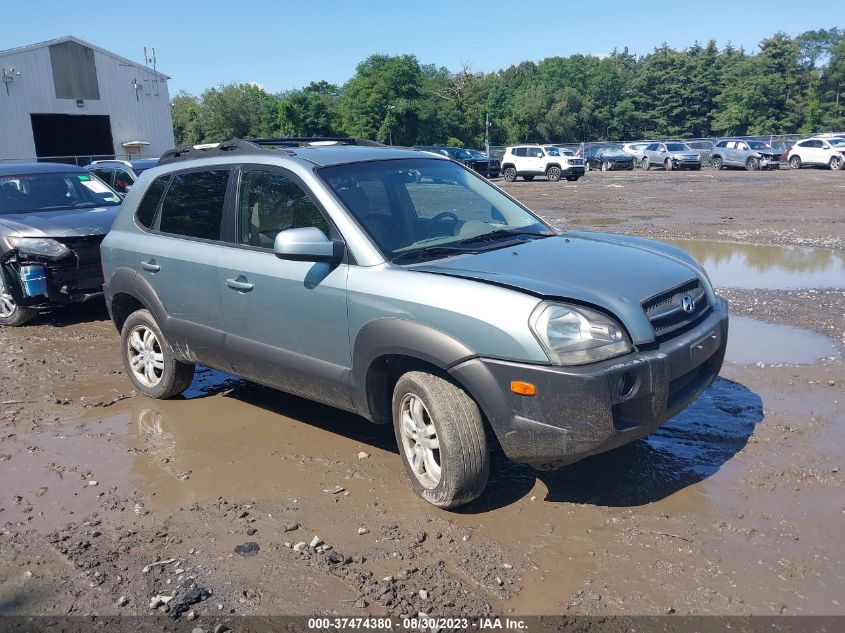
pixel 789 84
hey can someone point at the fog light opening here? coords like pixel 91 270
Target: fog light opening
pixel 627 385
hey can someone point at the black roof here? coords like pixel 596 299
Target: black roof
pixel 14 169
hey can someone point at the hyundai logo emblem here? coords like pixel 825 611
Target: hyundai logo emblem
pixel 688 304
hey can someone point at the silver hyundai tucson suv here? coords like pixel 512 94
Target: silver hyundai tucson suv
pixel 406 288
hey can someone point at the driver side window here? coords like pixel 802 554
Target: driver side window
pixel 270 202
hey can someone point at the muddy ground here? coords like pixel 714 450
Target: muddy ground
pixel 736 506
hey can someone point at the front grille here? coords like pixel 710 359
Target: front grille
pixel 576 162
pixel 85 248
pixel 666 313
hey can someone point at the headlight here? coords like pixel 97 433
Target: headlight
pixel 574 335
pixel 38 246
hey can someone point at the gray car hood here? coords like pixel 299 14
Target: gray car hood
pixel 616 273
pixel 59 223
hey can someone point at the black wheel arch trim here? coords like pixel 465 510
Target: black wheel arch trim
pixel 394 336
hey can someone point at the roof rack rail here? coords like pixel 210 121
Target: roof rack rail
pixel 313 141
pixel 207 150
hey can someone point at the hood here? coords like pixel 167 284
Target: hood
pixel 59 223
pixel 686 155
pixel 612 272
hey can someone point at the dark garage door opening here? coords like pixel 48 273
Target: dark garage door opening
pixel 83 135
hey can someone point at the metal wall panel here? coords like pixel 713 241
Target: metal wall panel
pixel 74 71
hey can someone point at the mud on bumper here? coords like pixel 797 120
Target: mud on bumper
pixel 581 411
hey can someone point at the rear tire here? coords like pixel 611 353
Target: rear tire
pixel 148 359
pixel 11 314
pixel 795 162
pixel 509 174
pixel 553 173
pixel 428 411
pixel 716 161
pixel 646 165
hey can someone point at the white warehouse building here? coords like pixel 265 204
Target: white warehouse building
pixel 69 99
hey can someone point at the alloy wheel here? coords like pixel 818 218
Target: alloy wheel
pixel 420 441
pixel 7 302
pixel 146 360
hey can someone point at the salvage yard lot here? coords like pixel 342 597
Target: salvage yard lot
pixel 733 507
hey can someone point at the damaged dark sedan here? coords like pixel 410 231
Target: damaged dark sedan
pixel 52 220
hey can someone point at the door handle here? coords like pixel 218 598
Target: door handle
pixel 237 284
pixel 151 266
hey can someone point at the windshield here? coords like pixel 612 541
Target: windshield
pixel 677 147
pixel 758 145
pixel 553 151
pixel 458 152
pixel 29 193
pixel 418 208
pixel 837 142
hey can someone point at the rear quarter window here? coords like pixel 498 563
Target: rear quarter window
pixel 193 206
pixel 145 215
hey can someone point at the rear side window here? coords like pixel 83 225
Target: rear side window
pixel 146 213
pixel 519 151
pixel 193 206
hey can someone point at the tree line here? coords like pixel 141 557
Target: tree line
pixel 788 85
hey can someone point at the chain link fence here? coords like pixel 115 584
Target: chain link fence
pixel 79 160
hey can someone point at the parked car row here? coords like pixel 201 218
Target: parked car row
pixel 290 268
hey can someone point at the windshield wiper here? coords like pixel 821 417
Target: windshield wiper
pixel 431 251
pixel 503 233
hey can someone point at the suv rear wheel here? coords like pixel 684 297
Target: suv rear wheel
pixel 441 439
pixel 553 173
pixel 10 312
pixel 716 162
pixel 509 174
pixel 148 359
pixel 795 162
pixel 646 165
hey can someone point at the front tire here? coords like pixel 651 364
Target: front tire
pixel 646 164
pixel 148 360
pixel 441 439
pixel 667 165
pixel 509 174
pixel 587 166
pixel 795 162
pixel 605 166
pixel 553 173
pixel 752 164
pixel 11 314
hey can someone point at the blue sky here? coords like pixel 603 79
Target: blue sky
pixel 282 44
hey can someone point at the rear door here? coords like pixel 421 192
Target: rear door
pixel 179 258
pixel 286 320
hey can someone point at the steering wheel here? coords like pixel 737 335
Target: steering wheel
pixel 443 215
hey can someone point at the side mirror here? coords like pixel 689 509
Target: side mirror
pixel 308 244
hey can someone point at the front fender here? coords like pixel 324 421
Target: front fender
pixel 394 336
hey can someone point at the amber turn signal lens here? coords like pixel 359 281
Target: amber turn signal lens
pixel 523 388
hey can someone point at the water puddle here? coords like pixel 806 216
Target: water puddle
pixel 734 265
pixel 751 341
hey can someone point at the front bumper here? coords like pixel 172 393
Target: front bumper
pixel 68 280
pixel 686 164
pixel 589 409
pixel 573 170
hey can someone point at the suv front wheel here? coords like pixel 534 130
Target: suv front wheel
pixel 509 174
pixel 441 439
pixel 553 173
pixel 148 359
